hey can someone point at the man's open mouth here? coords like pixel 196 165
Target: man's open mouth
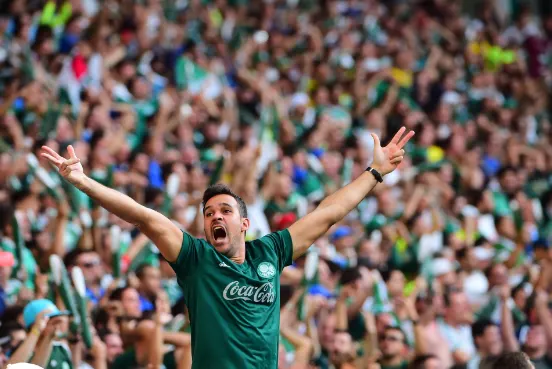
pixel 219 232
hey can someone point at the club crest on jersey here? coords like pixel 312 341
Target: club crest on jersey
pixel 266 270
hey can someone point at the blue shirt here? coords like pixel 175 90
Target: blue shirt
pixel 155 174
pixel 95 299
pixel 145 304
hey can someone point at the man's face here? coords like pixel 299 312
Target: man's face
pixel 499 275
pixel 223 225
pixel 327 330
pixel 460 308
pixel 151 280
pixel 395 285
pixel 114 346
pixel 392 343
pixel 342 348
pixel 491 342
pixel 91 266
pixel 536 339
pixel 509 182
pixel 131 303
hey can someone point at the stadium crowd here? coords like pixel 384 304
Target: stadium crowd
pixel 448 262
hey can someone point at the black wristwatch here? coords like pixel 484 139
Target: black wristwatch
pixel 376 174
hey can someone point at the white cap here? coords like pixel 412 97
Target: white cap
pixel 441 266
pixel 299 99
pixel 482 253
pixel 23 366
pixel 371 64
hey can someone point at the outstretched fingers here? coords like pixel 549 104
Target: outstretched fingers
pixel 398 135
pixel 71 151
pixel 68 163
pixel 52 153
pixel 397 159
pixel 52 160
pixel 405 139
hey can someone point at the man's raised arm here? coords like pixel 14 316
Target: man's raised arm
pixel 159 229
pixel 335 207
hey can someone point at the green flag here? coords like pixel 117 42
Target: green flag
pixel 82 302
pixel 173 185
pixel 310 277
pixel 61 280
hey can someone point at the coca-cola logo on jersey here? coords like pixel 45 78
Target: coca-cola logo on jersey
pixel 263 294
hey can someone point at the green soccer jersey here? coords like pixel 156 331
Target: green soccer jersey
pixel 234 308
pixel 60 358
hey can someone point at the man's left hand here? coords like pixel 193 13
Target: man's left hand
pixel 386 159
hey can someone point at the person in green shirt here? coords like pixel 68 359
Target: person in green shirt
pixel 231 286
pixel 393 348
pixel 48 351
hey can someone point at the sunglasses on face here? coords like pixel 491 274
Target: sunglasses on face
pixel 90 264
pixel 390 338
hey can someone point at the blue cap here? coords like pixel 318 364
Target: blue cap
pixel 342 231
pixel 35 307
pixel 318 289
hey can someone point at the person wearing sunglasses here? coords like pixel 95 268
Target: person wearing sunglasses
pixel 394 349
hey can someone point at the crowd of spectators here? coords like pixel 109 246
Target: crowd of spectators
pixel 447 263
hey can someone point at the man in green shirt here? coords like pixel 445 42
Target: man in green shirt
pixel 231 286
pixel 48 350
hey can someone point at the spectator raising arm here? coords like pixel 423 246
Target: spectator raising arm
pixel 164 234
pixel 336 206
pixel 545 317
pixel 507 323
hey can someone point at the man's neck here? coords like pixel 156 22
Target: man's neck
pixel 392 361
pixel 535 354
pixel 239 257
pixel 452 322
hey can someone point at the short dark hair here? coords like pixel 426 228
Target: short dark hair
pixel 513 360
pixel 141 270
pixel 479 327
pixel 350 275
pixel 419 361
pixel 117 295
pixel 222 189
pixel 396 329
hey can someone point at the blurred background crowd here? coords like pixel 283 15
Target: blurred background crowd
pixel 446 264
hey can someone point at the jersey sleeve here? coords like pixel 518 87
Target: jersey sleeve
pixel 282 246
pixel 189 256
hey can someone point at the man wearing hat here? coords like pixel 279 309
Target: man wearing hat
pixel 43 345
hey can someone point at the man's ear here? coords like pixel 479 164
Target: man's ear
pixel 245 224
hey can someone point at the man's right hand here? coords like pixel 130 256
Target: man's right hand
pixel 71 169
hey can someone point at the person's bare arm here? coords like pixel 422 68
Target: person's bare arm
pixel 507 323
pixel 45 343
pixel 361 295
pixel 336 206
pixel 163 233
pixel 370 338
pixel 302 344
pixel 99 354
pixel 155 357
pixel 26 349
pixel 342 321
pixel 545 317
pixel 62 218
